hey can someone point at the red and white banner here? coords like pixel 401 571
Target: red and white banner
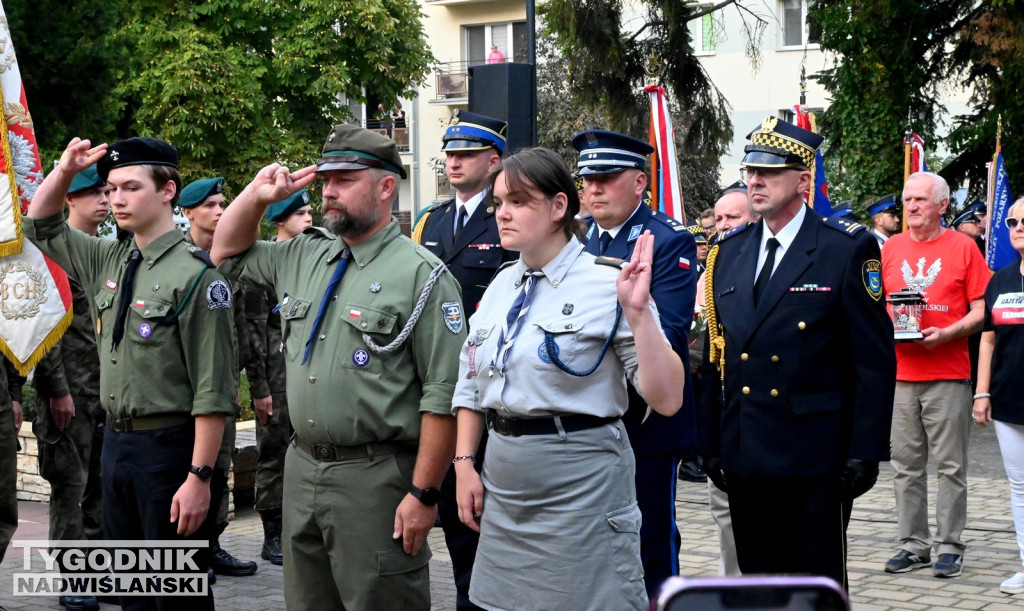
pixel 35 298
pixel 917 160
pixel 665 168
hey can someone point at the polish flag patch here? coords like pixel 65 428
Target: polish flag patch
pixel 355 313
pixel 112 284
pixel 139 303
pixel 684 263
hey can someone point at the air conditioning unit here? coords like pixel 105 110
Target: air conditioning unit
pixel 453 84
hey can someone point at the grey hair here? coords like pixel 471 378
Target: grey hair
pixel 940 188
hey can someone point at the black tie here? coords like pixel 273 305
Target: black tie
pixel 766 271
pixel 127 283
pixel 605 240
pixel 461 222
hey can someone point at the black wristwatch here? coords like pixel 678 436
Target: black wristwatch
pixel 427 496
pixel 203 473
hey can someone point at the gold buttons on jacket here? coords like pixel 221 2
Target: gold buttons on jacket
pixel 744 356
pixel 775 358
pixel 801 325
pixel 746 390
pixel 774 393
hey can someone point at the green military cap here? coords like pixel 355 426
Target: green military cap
pixel 197 191
pixel 279 211
pixel 85 180
pixel 350 147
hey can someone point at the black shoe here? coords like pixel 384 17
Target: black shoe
pixel 272 536
pixel 211 577
pixel 79 603
pixel 224 563
pixel 691 471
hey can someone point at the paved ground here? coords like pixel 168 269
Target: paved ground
pixel 991 555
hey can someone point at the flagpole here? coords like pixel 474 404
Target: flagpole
pixel 999 134
pixel 652 68
pixel 906 161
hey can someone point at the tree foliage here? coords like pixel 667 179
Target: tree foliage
pixel 234 84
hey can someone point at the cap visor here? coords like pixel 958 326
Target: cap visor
pixel 601 169
pixel 328 166
pixel 762 159
pixel 467 145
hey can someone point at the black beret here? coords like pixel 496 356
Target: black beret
pixel 137 151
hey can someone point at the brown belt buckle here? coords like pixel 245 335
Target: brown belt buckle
pixel 323 451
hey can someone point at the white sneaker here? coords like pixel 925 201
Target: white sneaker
pixel 1013 585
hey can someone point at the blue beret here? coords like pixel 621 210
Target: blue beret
pixel 197 191
pixel 469 131
pixel 886 204
pixel 137 151
pixel 604 152
pixel 777 143
pixel 85 180
pixel 279 211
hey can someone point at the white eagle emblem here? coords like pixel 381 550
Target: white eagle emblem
pixel 921 280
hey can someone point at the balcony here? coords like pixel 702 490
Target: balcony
pixel 396 130
pixel 451 84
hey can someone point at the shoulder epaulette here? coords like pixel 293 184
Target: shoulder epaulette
pixel 318 232
pixel 732 232
pixel 202 255
pixel 844 225
pixel 667 220
pixel 610 262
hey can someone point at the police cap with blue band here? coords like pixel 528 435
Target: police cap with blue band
pixel 604 152
pixel 885 204
pixel 137 151
pixel 279 211
pixel 85 180
pixel 968 216
pixel 469 131
pixel 350 147
pixel 196 192
pixel 843 210
pixel 778 144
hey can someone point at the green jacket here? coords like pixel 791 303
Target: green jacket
pixel 176 352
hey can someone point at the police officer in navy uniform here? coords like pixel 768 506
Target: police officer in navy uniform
pixel 885 218
pixel 462 232
pixel 612 166
pixel 799 381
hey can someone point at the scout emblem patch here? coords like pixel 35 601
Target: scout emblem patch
pixel 218 295
pixel 145 330
pixel 542 352
pixel 567 309
pixel 375 287
pixel 871 273
pixel 452 315
pixel 361 357
pixel 634 232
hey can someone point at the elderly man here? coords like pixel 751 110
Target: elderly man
pixel 370 376
pixel 792 294
pixel 612 166
pixel 931 412
pixel 885 220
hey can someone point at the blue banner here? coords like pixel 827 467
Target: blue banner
pixel 822 204
pixel 999 251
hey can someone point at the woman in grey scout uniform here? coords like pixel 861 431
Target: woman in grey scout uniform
pixel 545 368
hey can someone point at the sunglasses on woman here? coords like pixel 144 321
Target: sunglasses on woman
pixel 1011 223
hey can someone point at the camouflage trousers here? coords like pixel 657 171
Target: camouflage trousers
pixel 221 470
pixel 8 480
pixel 70 461
pixel 271 444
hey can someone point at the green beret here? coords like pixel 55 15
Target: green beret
pixel 350 147
pixel 137 151
pixel 196 192
pixel 279 211
pixel 85 180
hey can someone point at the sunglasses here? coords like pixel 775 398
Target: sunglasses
pixel 1011 223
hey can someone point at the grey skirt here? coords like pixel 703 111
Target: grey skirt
pixel 560 527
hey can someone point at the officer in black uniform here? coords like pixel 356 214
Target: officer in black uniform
pixel 612 166
pixel 799 381
pixel 462 232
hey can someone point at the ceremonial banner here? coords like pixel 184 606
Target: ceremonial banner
pixel 35 299
pixel 917 160
pixel 999 251
pixel 817 198
pixel 664 166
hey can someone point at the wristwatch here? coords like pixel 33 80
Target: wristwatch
pixel 427 496
pixel 203 473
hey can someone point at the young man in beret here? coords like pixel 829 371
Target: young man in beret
pixel 202 202
pixel 267 386
pixel 370 376
pixel 69 419
pixel 163 325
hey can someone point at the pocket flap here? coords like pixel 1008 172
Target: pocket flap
pixel 478 257
pixel 293 307
pixel 815 404
pixel 105 299
pixel 397 562
pixel 151 307
pixel 625 520
pixel 559 327
pixel 368 320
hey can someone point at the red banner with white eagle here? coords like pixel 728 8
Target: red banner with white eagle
pixel 35 298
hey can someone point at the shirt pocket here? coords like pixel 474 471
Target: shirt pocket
pixel 144 325
pixel 105 311
pixel 567 336
pixel 294 312
pixel 379 325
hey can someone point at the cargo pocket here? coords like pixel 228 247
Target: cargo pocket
pixel 379 325
pixel 403 580
pixel 625 537
pixel 104 301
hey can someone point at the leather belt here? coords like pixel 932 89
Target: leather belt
pixel 128 424
pixel 514 427
pixel 328 452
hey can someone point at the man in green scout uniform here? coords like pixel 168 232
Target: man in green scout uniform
pixel 372 358
pixel 267 387
pixel 69 419
pixel 163 324
pixel 202 202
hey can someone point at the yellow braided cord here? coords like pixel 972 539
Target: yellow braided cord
pixel 417 232
pixel 810 192
pixel 11 247
pixel 716 354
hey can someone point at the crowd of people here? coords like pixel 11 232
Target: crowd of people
pixel 536 368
